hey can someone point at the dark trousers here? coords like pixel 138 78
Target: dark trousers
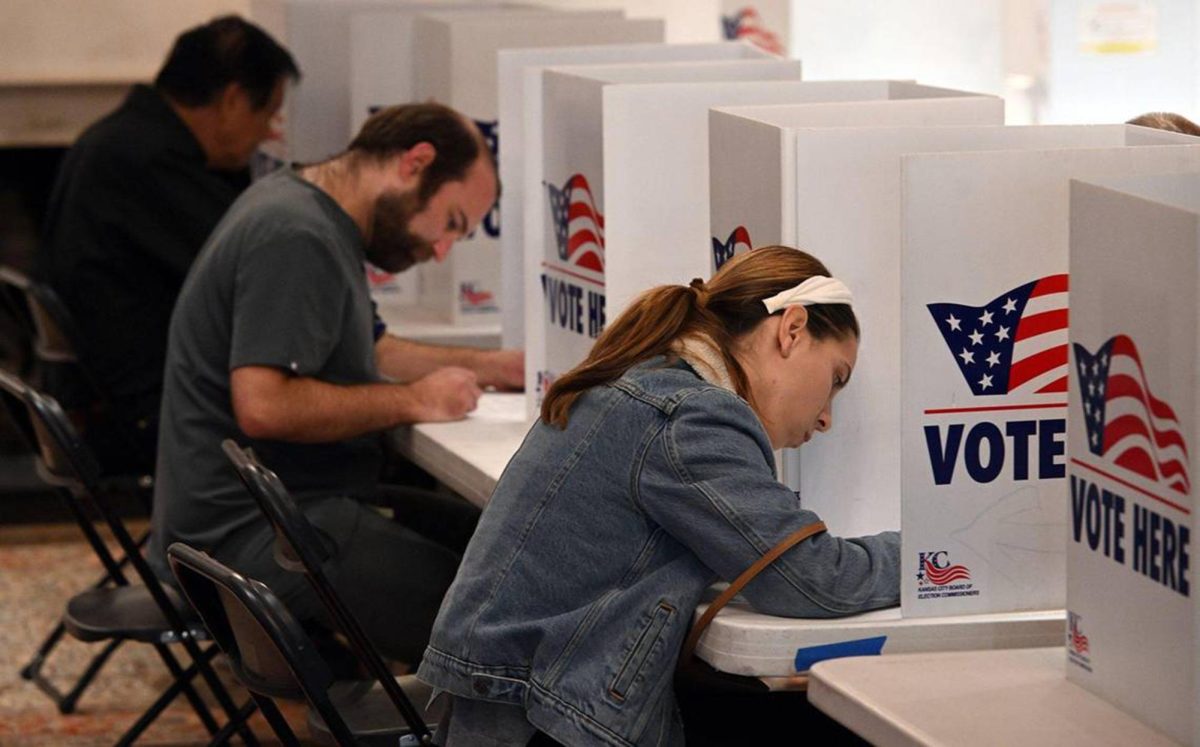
pixel 392 574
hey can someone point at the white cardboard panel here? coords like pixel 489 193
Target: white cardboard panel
pixel 532 212
pixel 688 21
pixel 574 144
pixel 459 52
pixel 838 198
pixel 983 475
pixel 520 117
pixel 1135 290
pixel 318 36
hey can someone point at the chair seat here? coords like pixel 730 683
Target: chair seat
pixel 126 612
pixel 371 716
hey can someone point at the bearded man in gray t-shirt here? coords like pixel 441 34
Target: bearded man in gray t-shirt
pixel 274 343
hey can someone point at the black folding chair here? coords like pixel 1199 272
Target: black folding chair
pixel 118 611
pixel 383 711
pixel 42 346
pixel 267 647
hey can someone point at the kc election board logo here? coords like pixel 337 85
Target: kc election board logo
pixel 1077 643
pixel 747 24
pixel 1127 425
pixel 491 135
pixel 938 578
pixel 473 300
pixel 723 251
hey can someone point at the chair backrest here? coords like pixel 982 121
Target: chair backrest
pixel 298 548
pixel 19 328
pixel 63 459
pixel 267 648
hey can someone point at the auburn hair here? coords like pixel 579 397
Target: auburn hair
pixel 724 309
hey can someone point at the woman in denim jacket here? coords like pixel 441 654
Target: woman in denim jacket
pixel 649 476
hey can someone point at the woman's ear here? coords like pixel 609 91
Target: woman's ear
pixel 793 323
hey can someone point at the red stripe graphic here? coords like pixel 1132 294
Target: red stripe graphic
pixel 1037 364
pixel 949 574
pixel 1154 424
pixel 1050 284
pixel 585 224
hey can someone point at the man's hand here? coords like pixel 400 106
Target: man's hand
pixel 502 369
pixel 446 394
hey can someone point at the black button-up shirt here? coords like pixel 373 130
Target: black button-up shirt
pixel 133 204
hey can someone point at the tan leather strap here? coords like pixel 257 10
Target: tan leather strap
pixel 793 539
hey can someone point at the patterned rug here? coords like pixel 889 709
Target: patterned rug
pixel 40 569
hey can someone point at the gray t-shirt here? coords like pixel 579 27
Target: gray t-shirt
pixel 279 283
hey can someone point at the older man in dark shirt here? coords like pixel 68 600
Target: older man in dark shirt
pixel 135 199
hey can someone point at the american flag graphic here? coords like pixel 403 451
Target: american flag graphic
pixel 1015 344
pixel 578 224
pixel 747 24
pixel 1079 641
pixel 1126 424
pixel 474 298
pixel 723 251
pixel 942 576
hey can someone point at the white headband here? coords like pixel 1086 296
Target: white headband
pixel 817 289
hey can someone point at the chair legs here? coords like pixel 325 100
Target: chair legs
pixel 66 702
pixel 182 684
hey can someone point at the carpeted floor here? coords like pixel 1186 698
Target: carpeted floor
pixel 40 568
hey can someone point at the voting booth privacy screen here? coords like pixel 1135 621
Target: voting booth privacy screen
pixel 984 364
pixel 520 117
pixel 1132 436
pixel 459 54
pixel 626 188
pixel 825 177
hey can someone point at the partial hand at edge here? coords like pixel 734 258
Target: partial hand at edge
pixel 445 394
pixel 502 369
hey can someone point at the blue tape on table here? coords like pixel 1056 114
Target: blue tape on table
pixel 806 657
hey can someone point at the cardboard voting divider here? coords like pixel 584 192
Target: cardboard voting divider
pixel 599 123
pixel 459 55
pixel 687 21
pixel 984 367
pixel 1131 443
pixel 318 36
pixel 825 177
pixel 520 118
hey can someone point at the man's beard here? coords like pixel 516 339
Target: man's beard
pixel 393 247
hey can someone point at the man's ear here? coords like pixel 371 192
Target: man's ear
pixel 231 98
pixel 793 324
pixel 416 159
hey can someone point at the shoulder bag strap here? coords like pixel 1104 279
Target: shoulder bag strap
pixel 795 538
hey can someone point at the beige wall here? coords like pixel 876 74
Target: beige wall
pixel 63 63
pixel 73 40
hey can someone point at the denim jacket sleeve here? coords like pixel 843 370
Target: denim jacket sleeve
pixel 708 479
